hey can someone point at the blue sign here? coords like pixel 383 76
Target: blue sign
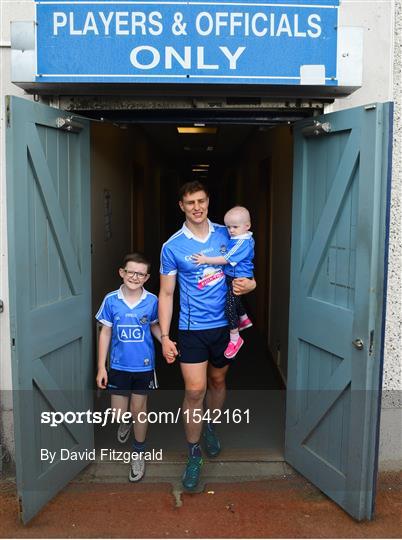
pixel 230 42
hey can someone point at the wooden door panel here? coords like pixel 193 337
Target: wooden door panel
pixel 48 187
pixel 338 247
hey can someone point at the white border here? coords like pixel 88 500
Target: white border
pixel 173 76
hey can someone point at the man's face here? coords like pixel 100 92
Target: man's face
pixel 195 206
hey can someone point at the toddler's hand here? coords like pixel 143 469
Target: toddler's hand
pixel 198 258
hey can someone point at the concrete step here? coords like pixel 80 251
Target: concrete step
pixel 170 472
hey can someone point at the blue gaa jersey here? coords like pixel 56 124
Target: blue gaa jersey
pixel 132 347
pixel 240 255
pixel 202 287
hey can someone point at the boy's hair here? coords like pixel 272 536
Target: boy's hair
pixel 137 258
pixel 192 187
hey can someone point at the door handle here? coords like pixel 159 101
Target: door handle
pixel 358 343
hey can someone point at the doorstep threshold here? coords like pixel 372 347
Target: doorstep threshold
pixel 170 472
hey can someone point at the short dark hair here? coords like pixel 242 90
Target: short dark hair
pixel 192 187
pixel 137 258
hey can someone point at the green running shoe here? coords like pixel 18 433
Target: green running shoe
pixel 212 445
pixel 192 472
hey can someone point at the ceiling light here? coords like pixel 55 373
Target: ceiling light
pixel 210 148
pixel 203 165
pixel 197 130
pixel 199 170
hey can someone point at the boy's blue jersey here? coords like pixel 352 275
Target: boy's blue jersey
pixel 202 287
pixel 132 347
pixel 240 255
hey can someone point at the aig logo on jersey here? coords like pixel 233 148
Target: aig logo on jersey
pixel 130 333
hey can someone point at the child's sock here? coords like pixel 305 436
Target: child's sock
pixel 234 336
pixel 139 446
pixel 243 317
pixel 194 450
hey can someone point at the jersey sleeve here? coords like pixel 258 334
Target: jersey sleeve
pixel 168 262
pixel 105 315
pixel 154 314
pixel 240 251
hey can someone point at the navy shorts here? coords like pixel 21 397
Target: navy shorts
pixel 197 346
pixel 124 383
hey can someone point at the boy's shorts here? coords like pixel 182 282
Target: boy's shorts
pixel 124 383
pixel 196 346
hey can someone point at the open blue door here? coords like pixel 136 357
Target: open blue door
pixel 48 200
pixel 337 302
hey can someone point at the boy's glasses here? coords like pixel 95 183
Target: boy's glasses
pixel 131 274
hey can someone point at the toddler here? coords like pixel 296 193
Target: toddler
pixel 238 261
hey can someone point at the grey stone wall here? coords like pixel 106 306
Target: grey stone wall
pixel 391 420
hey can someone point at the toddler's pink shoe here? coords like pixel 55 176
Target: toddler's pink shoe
pixel 245 324
pixel 233 348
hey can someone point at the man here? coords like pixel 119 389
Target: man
pixel 203 328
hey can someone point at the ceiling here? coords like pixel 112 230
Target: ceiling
pixel 183 152
pixel 189 151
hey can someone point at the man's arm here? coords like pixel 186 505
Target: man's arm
pixel 104 342
pixel 243 285
pixel 165 310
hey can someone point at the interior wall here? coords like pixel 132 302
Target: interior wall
pixel 123 166
pixel 111 234
pixel 264 185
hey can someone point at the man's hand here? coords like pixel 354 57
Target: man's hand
pixel 101 378
pixel 198 258
pixel 243 285
pixel 169 350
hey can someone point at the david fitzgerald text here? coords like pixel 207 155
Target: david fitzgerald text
pixel 98 454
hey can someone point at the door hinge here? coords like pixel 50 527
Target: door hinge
pixel 317 129
pixel 371 343
pixel 8 111
pixel 68 124
pixel 1 306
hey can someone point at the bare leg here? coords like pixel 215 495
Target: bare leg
pixel 195 381
pixel 119 403
pixel 138 405
pixel 216 393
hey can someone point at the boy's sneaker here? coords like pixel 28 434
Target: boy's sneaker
pixel 137 469
pixel 233 348
pixel 247 323
pixel 211 443
pixel 191 475
pixel 123 432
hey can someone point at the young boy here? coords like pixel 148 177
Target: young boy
pixel 129 316
pixel 238 261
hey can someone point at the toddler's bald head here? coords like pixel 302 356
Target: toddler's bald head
pixel 237 220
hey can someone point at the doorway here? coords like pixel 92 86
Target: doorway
pixel 249 165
